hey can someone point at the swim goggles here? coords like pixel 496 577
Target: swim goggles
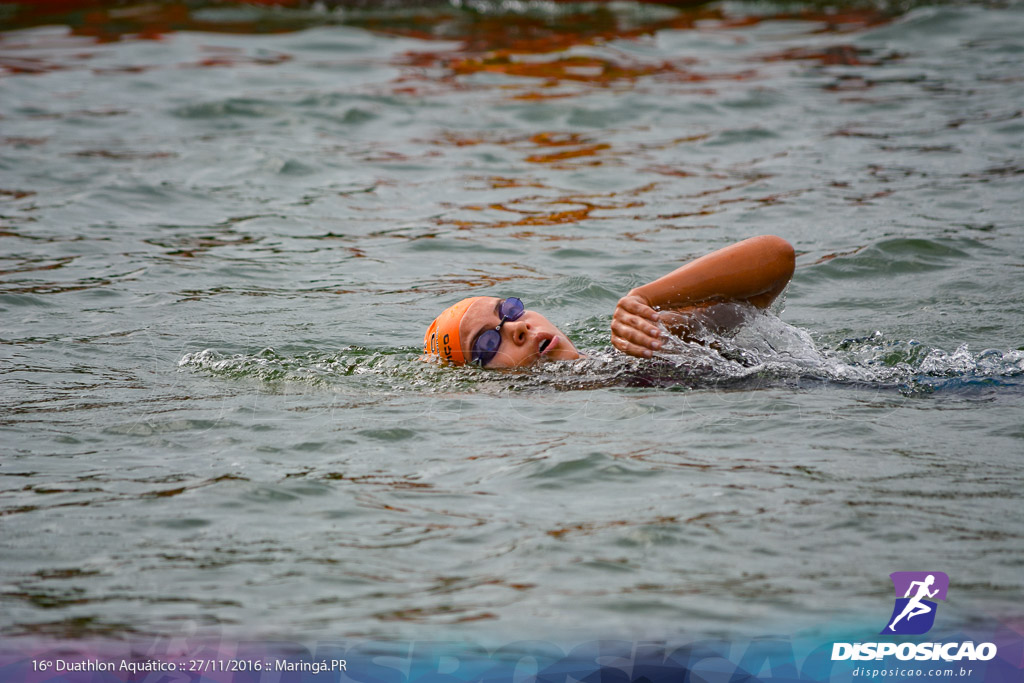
pixel 486 344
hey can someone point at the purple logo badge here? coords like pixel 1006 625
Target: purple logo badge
pixel 914 612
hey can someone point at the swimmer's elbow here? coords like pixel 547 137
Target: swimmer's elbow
pixel 779 261
pixel 780 250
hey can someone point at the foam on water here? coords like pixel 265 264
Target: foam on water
pixel 764 347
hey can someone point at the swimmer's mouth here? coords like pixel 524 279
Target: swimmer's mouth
pixel 547 344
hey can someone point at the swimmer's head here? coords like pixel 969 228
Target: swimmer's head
pixel 524 338
pixel 442 338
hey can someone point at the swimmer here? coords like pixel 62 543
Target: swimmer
pixel 503 333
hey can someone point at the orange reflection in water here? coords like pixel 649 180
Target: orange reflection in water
pixel 519 56
pixel 501 33
pixel 533 47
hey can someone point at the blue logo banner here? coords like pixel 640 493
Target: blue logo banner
pixel 774 659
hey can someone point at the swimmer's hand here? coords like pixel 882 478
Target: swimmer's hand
pixel 635 326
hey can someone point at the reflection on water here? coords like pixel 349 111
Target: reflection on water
pixel 224 228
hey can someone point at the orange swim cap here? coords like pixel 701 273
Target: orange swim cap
pixel 442 337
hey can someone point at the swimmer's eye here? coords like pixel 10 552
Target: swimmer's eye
pixel 485 346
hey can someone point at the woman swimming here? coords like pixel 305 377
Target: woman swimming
pixel 502 333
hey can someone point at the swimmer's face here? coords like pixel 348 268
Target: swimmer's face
pixel 529 339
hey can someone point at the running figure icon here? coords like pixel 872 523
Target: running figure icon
pixel 915 607
pixel 919 590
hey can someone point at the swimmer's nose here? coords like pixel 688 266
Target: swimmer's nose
pixel 519 331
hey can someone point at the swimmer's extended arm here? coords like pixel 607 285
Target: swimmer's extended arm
pixel 755 270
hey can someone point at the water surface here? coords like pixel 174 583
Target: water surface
pixel 223 231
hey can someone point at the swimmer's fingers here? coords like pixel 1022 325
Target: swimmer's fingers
pixel 633 335
pixel 630 348
pixel 635 327
pixel 635 304
pixel 633 313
